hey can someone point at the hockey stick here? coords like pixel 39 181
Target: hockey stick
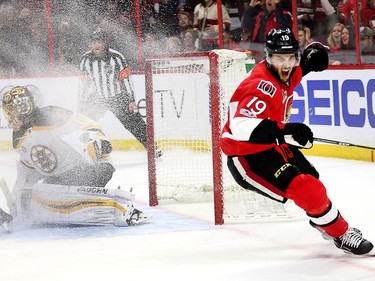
pixel 4 223
pixel 342 143
pixel 5 189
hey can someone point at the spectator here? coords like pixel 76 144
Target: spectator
pixel 345 10
pixel 190 41
pixel 347 39
pixel 334 37
pixel 347 54
pixel 304 36
pixel 249 18
pixel 229 43
pixel 305 13
pixel 325 17
pixel 173 45
pixel 274 17
pixel 367 14
pixel 366 38
pixel 206 21
pixel 184 23
pixel 109 86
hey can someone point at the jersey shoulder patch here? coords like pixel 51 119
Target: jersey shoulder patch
pixel 267 88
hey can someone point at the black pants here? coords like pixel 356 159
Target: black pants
pixel 119 106
pixel 133 122
pixel 270 172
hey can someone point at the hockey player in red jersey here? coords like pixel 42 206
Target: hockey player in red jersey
pixel 263 148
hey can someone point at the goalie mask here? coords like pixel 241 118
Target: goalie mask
pixel 18 102
pixel 281 41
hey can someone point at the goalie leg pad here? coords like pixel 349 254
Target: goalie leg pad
pixel 73 205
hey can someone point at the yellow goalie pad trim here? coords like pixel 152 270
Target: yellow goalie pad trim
pixel 71 206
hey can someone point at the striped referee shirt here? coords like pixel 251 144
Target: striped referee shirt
pixel 109 75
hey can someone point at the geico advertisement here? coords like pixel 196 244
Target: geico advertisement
pixel 338 104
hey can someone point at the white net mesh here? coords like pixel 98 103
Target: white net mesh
pixel 182 114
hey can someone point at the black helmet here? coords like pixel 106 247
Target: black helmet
pixel 281 41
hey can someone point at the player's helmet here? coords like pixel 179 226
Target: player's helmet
pixel 281 41
pixel 18 102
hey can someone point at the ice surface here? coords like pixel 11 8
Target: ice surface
pixel 182 243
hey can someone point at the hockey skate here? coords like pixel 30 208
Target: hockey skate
pixel 352 242
pixel 137 217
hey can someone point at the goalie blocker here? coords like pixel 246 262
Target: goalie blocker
pixel 49 204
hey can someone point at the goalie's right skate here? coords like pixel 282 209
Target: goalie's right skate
pixel 137 217
pixel 352 242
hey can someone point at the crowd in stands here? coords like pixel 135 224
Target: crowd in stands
pixel 170 26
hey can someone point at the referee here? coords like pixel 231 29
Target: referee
pixel 108 86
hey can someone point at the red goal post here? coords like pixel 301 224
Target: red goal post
pixel 187 97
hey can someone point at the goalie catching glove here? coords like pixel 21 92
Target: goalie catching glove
pixel 297 134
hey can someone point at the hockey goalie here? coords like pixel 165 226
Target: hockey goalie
pixel 64 167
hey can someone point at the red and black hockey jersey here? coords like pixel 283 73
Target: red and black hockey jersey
pixel 260 96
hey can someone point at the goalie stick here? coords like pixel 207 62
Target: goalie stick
pixel 5 189
pixel 8 197
pixel 342 143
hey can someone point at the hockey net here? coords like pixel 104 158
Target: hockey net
pixel 187 97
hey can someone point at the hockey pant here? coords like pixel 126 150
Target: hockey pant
pixel 48 204
pixel 284 173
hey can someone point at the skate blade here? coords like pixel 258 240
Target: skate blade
pixel 370 254
pixel 141 220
